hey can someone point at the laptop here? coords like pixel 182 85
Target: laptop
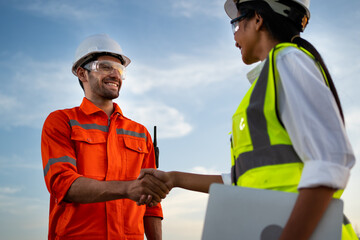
pixel 256 214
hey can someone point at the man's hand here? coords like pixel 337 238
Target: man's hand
pixel 164 177
pixel 147 185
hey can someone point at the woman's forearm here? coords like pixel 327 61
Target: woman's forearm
pixel 194 182
pixel 309 208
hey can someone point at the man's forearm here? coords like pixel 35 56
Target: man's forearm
pixel 153 228
pixel 87 190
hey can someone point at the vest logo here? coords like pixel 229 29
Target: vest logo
pixel 242 124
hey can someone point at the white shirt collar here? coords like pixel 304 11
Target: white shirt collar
pixel 255 72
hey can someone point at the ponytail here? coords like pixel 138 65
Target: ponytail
pixel 309 47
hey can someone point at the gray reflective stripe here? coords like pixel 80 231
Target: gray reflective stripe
pixel 130 133
pixel 255 114
pixel 64 159
pixel 272 155
pixel 89 126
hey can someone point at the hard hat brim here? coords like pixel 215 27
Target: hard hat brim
pixel 124 59
pixel 231 10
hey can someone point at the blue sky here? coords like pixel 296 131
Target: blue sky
pixel 186 77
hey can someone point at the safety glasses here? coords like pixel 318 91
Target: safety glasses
pixel 235 22
pixel 106 67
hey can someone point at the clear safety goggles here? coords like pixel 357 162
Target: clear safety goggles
pixel 106 67
pixel 235 22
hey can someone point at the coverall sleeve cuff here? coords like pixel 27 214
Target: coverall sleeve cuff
pixel 320 173
pixel 65 188
pixel 154 211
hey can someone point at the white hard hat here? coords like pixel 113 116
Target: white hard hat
pixel 97 44
pixel 279 7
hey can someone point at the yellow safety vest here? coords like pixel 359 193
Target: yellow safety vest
pixel 261 149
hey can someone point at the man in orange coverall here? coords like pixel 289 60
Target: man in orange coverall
pixel 92 155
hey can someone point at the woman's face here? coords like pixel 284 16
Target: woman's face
pixel 247 40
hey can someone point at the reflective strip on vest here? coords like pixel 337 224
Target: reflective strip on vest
pixel 256 119
pixel 52 161
pixel 272 155
pixel 89 126
pixel 130 133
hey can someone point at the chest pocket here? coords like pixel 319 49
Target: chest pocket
pixel 136 150
pixel 90 148
pixel 241 135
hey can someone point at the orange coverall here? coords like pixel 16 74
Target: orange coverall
pixel 83 141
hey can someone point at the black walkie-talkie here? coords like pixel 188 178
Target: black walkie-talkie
pixel 156 149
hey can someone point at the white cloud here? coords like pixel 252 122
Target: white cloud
pixel 190 8
pixel 82 9
pixel 8 190
pixel 7 103
pixel 35 90
pixel 352 191
pixel 339 52
pixel 187 72
pixel 169 121
pixel 18 161
pixel 184 211
pixel 184 214
pixel 23 215
pixel 26 212
pixel 205 170
pixel 47 86
pixel 60 9
pixel 353 128
pixel 56 9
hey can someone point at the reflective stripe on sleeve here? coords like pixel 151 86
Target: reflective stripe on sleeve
pixel 64 159
pixel 130 133
pixel 73 122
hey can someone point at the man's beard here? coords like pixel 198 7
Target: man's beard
pixel 100 90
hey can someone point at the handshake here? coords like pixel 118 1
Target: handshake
pixel 151 187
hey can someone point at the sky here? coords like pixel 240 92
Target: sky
pixel 186 77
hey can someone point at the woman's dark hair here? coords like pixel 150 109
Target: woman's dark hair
pixel 285 30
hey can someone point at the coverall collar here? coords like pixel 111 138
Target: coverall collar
pixel 89 108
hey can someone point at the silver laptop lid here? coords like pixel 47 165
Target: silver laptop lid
pixel 257 214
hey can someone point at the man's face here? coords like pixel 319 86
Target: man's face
pixel 103 85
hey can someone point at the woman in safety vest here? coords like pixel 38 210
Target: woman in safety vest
pixel 288 131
